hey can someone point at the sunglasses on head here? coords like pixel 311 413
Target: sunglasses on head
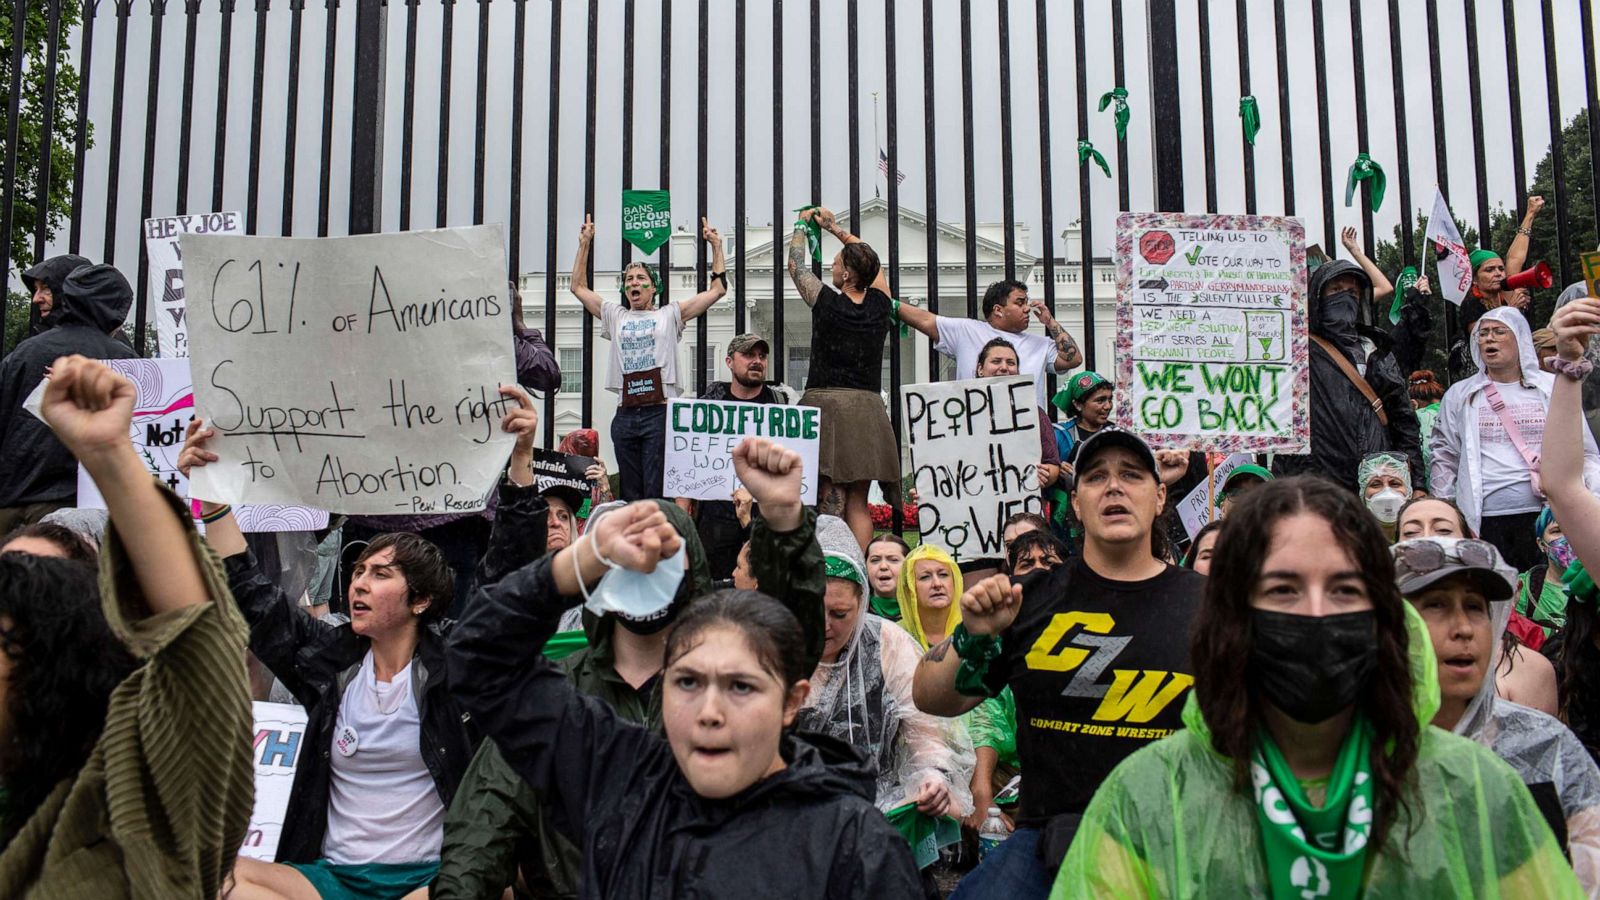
pixel 1420 556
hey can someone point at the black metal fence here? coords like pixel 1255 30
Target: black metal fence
pixel 1185 64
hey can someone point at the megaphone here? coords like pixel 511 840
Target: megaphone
pixel 1537 277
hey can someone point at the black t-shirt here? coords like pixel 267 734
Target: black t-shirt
pixel 847 340
pixel 1099 668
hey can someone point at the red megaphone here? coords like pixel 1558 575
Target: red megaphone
pixel 1537 277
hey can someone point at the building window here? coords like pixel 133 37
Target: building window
pixel 571 370
pixel 799 369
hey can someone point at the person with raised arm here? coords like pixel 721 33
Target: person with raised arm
pixel 644 331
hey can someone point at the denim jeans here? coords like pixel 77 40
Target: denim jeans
pixel 639 435
pixel 1011 871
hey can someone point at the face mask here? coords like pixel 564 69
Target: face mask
pixel 1560 552
pixel 641 601
pixel 1340 311
pixel 1386 504
pixel 1312 667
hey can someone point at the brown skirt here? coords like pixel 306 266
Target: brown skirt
pixel 857 440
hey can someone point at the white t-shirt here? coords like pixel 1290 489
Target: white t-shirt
pixel 383 806
pixel 963 339
pixel 1507 487
pixel 642 340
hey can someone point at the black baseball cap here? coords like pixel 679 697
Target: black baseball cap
pixel 1112 436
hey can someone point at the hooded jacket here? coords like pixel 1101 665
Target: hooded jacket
pixel 1344 427
pixel 1456 471
pixel 615 789
pixel 35 467
pixel 52 273
pixel 1169 823
pixel 910 617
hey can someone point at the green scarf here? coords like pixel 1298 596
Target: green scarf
pixel 925 834
pixel 1119 96
pixel 1086 152
pixel 1405 281
pixel 1250 118
pixel 1365 169
pixel 813 231
pixel 646 219
pixel 886 607
pixel 1332 864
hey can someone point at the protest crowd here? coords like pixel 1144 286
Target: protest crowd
pixel 1370 668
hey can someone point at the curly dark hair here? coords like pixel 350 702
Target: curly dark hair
pixel 65 662
pixel 1194 545
pixel 1223 635
pixel 69 542
pixel 997 294
pixel 428 574
pixel 1030 541
pixel 860 260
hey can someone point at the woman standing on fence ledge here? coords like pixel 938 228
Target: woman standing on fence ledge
pixel 644 339
pixel 849 323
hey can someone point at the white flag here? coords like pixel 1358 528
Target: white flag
pixel 1455 269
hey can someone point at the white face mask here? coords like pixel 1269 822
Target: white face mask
pixel 638 596
pixel 1386 504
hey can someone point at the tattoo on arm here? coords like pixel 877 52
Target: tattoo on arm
pixel 1067 348
pixel 937 652
pixel 805 280
pixel 831 502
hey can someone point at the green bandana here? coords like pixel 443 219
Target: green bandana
pixel 885 607
pixel 1580 586
pixel 1332 862
pixel 1405 281
pixel 1364 169
pixel 894 316
pixel 1250 116
pixel 646 219
pixel 813 232
pixel 1086 152
pixel 839 567
pixel 1119 96
pixel 925 834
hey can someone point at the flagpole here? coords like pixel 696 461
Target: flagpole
pixel 877 148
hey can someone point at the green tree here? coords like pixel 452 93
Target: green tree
pixel 56 198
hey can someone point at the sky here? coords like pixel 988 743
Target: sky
pixel 754 90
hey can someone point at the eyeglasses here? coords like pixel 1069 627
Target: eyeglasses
pixel 1419 556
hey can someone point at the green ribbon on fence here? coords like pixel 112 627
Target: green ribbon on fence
pixel 813 232
pixel 1405 281
pixel 1119 96
pixel 1086 152
pixel 1250 115
pixel 1364 169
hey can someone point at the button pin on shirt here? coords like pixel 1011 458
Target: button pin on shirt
pixel 347 741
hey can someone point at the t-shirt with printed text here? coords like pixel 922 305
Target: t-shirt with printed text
pixel 1507 489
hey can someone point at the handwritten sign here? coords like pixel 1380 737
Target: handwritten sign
pixel 354 374
pixel 1211 332
pixel 280 735
pixel 701 435
pixel 166 314
pixel 1591 271
pixel 975 455
pixel 1194 510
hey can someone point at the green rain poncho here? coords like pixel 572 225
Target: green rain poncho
pixel 1168 823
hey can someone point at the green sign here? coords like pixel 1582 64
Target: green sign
pixel 646 219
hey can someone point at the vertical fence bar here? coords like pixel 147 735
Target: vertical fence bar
pixel 8 198
pixel 158 14
pixel 408 117
pixel 1119 71
pixel 1519 166
pixel 702 107
pixel 590 113
pixel 114 164
pixel 447 41
pixel 930 182
pixel 629 42
pixel 1208 126
pixel 1285 126
pixel 1166 108
pixel 81 131
pixel 366 126
pixel 853 126
pixel 740 208
pixel 1408 252
pixel 1241 14
pixel 1592 93
pixel 1363 138
pixel 519 59
pixel 1319 32
pixel 968 164
pixel 329 69
pixel 191 12
pixel 291 115
pixel 224 67
pixel 778 357
pixel 665 158
pixel 816 114
pixel 1558 161
pixel 47 133
pixel 1441 158
pixel 1475 88
pixel 1047 196
pixel 895 499
pixel 480 145
pixel 258 86
pixel 1008 206
pixel 1085 192
pixel 552 195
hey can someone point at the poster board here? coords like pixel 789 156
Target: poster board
pixel 554 469
pixel 1194 510
pixel 166 313
pixel 1211 332
pixel 355 374
pixel 702 434
pixel 279 740
pixel 975 451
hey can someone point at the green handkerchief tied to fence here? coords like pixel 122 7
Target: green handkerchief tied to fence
pixel 646 219
pixel 1250 116
pixel 813 230
pixel 1364 169
pixel 1086 152
pixel 1119 96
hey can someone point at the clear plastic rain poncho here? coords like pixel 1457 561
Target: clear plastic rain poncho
pixel 1168 822
pixel 864 697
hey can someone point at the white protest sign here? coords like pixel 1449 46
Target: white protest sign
pixel 279 739
pixel 1195 509
pixel 975 456
pixel 161 413
pixel 355 374
pixel 165 312
pixel 701 436
pixel 1211 332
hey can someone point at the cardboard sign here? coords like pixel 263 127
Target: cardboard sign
pixel 975 450
pixel 166 314
pixel 701 436
pixel 1195 509
pixel 279 741
pixel 355 374
pixel 552 469
pixel 1211 332
pixel 1591 272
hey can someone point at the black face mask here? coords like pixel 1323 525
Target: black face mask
pixel 1312 667
pixel 1341 311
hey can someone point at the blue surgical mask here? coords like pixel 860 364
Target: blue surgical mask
pixel 1560 552
pixel 641 601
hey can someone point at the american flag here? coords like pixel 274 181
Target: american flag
pixel 883 166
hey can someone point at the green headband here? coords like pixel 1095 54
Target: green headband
pixel 839 567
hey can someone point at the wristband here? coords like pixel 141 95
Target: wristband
pixel 216 516
pixel 720 276
pixel 1577 369
pixel 1525 232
